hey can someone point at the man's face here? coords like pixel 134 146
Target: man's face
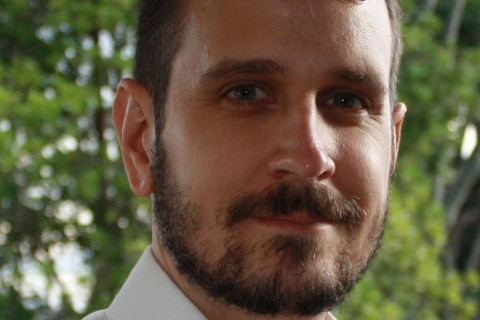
pixel 274 164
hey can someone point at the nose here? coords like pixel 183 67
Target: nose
pixel 303 145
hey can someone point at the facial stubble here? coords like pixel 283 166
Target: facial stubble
pixel 294 282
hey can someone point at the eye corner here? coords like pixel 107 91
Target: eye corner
pixel 248 93
pixel 344 99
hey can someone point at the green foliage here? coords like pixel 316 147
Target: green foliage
pixel 62 183
pixel 407 280
pixel 62 180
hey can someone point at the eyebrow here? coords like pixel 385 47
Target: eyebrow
pixel 228 68
pixel 358 78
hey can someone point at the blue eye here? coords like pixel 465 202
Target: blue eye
pixel 346 100
pixel 247 93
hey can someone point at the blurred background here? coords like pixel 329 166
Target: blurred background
pixel 70 229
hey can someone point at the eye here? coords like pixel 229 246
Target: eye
pixel 247 93
pixel 346 100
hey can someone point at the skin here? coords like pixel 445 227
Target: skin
pixel 316 74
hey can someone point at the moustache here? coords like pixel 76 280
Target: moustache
pixel 317 201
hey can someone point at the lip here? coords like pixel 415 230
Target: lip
pixel 297 223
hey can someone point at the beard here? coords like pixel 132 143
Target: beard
pixel 297 284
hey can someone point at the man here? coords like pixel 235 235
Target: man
pixel 266 134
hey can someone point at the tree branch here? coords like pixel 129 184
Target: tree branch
pixel 455 21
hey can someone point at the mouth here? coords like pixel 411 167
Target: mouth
pixel 305 210
pixel 296 223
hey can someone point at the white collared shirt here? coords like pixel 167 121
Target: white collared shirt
pixel 149 294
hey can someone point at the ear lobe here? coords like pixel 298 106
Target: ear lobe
pixel 398 115
pixel 132 115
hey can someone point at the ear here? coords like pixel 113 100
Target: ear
pixel 398 115
pixel 133 117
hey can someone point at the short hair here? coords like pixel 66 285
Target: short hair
pixel 160 29
pixel 161 24
pixel 395 15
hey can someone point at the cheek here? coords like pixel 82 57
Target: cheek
pixel 211 163
pixel 363 169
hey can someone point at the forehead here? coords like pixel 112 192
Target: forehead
pixel 296 33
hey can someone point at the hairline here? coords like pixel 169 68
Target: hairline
pixel 158 86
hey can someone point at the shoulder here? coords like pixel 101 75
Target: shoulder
pixel 97 315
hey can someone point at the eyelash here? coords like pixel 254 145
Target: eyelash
pixel 239 95
pixel 362 103
pixel 322 100
pixel 234 95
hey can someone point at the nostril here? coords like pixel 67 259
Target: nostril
pixel 302 148
pixel 318 166
pixel 327 166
